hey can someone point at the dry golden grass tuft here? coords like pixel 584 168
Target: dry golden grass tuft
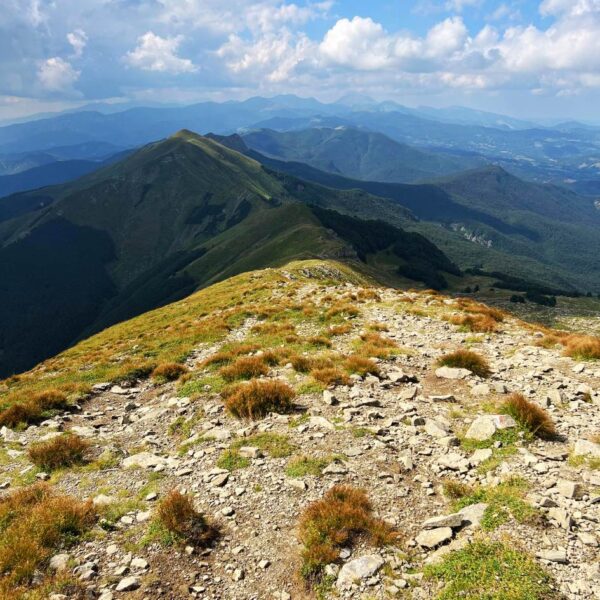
pixel 33 409
pixel 376 345
pixel 361 366
pixel 35 522
pixel 330 376
pixel 475 323
pixel 342 329
pixel 530 415
pixel 320 341
pixel 466 359
pixel 455 489
pixel 274 328
pixel 177 514
pixel 344 309
pixel 169 371
pixel 367 294
pixel 577 346
pixel 63 451
pixel 305 364
pixel 257 398
pixel 343 515
pixel 246 367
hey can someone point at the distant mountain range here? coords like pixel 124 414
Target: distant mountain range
pixel 567 153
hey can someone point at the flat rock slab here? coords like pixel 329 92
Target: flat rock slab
pixel 484 427
pixel 586 448
pixel 454 520
pixel 431 538
pixel 451 373
pixel 144 460
pixel 473 514
pixel 359 568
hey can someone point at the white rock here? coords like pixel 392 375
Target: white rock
pixel 485 426
pixel 586 448
pixel 144 460
pixel 453 520
pixel 431 538
pixel 359 568
pixel 128 584
pixel 451 373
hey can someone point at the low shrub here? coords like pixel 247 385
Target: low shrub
pixel 169 371
pixel 361 366
pixel 466 359
pixel 34 523
pixel 330 376
pixel 320 341
pixel 530 416
pixel 34 409
pixel 257 398
pixel 62 451
pixel 305 364
pixel 246 367
pixel 475 323
pixel 582 347
pixel 177 514
pixel 374 344
pixel 337 520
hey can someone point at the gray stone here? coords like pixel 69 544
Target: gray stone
pixel 436 428
pixel 59 562
pixel 557 556
pixel 359 568
pixel 144 460
pixel 451 373
pixel 453 520
pixel 586 448
pixel 473 514
pixel 128 584
pixel 569 489
pixel 485 426
pixel 431 538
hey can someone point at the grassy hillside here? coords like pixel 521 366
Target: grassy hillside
pixel 173 217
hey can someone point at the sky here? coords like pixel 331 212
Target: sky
pixel 526 58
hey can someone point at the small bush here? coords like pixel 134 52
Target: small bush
pixel 342 309
pixel 361 366
pixel 466 359
pixel 305 364
pixel 337 520
pixel 455 490
pixel 339 329
pixel 330 376
pixel 168 371
pixel 374 344
pixel 34 409
pixel 63 451
pixel 475 323
pixel 246 367
pixel 34 523
pixel 177 514
pixel 582 347
pixel 257 398
pixel 320 341
pixel 530 416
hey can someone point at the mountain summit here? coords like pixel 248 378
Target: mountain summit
pixel 174 216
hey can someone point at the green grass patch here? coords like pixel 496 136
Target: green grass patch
pixel 487 570
pixel 504 501
pixel 231 460
pixel 301 466
pixel 274 444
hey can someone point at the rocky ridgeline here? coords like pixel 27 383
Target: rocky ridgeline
pixel 399 435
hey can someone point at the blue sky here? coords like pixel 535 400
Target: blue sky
pixel 524 57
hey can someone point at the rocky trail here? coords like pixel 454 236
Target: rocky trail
pixel 401 435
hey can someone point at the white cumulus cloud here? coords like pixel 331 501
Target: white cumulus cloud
pixel 155 53
pixel 56 74
pixel 78 40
